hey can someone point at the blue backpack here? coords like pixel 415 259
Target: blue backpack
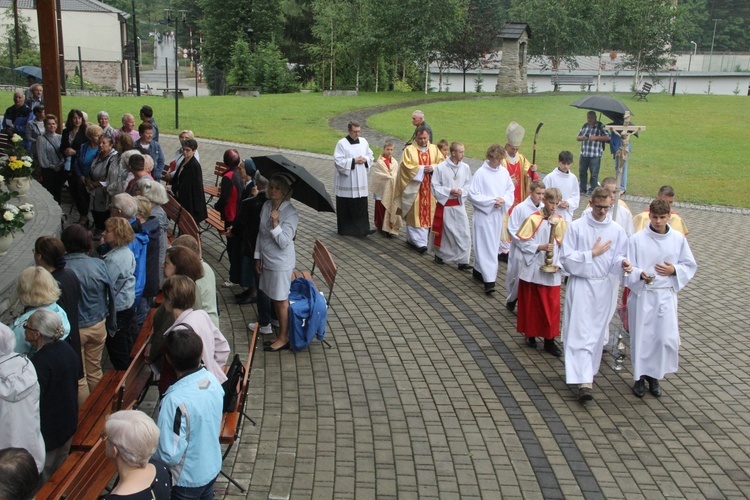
pixel 307 314
pixel 138 246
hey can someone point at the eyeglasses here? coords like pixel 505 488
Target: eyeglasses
pixel 603 208
pixel 26 326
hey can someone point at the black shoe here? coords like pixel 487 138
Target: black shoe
pixel 268 348
pixel 388 235
pixel 439 261
pixel 421 250
pixel 371 231
pixel 531 342
pixel 511 305
pixel 239 296
pixel 464 267
pixel 477 275
pixel 653 386
pixel 249 299
pixel 551 347
pixel 503 257
pixel 489 288
pixel 412 245
pixel 639 388
pixel 584 394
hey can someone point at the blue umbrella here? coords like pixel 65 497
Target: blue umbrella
pixel 31 71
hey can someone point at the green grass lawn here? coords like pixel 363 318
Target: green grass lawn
pixel 695 143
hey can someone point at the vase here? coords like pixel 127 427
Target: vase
pixel 19 184
pixel 5 242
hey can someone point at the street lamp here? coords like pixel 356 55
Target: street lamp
pixel 695 49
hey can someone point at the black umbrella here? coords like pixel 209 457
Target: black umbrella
pixel 306 188
pixel 31 71
pixel 611 108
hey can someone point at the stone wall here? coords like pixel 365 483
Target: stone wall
pixel 99 72
pixel 512 76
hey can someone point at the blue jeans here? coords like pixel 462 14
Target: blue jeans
pixel 199 493
pixel 585 164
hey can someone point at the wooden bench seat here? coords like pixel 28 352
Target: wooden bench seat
pixel 134 382
pixel 93 413
pixel 645 90
pixel 51 489
pixel 215 222
pixel 214 191
pixel 83 476
pixel 578 80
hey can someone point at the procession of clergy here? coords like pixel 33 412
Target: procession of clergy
pixel 528 223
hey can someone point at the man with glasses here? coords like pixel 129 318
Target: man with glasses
pixel 594 247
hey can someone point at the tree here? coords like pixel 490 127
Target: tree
pixel 241 74
pixel 558 29
pixel 28 53
pixel 648 32
pixel 476 36
pixel 270 70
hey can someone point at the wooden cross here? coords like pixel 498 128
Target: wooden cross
pixel 624 132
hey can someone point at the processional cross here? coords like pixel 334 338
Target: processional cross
pixel 624 132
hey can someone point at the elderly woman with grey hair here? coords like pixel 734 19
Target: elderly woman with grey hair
pixel 132 438
pixel 107 130
pixel 56 366
pixel 19 400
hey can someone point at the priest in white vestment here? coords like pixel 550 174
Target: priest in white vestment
pixel 491 193
pixel 662 265
pixel 451 235
pixel 531 204
pixel 564 180
pixel 352 158
pixel 594 247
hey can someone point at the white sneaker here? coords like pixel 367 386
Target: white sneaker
pixel 265 330
pixel 229 284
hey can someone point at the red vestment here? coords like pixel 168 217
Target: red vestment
pixel 538 310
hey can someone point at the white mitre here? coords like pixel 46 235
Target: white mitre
pixel 514 134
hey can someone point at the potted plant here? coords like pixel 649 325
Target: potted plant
pixel 17 167
pixel 27 210
pixel 11 221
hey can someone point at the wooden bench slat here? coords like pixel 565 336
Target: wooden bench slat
pixel 51 489
pixel 93 413
pixel 231 421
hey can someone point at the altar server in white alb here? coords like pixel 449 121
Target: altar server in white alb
pixel 564 180
pixel 451 235
pixel 531 204
pixel 662 265
pixel 594 247
pixel 352 158
pixel 491 193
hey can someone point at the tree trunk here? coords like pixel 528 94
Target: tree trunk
pixel 426 75
pixel 377 73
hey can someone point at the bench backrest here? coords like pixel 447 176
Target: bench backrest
pixel 646 87
pixel 173 209
pixel 134 381
pixel 232 421
pixel 323 260
pixel 219 170
pixel 89 477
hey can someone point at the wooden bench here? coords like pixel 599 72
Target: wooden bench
pixel 214 191
pixel 323 261
pixel 132 388
pixel 93 413
pixel 146 330
pixel 645 90
pixel 83 475
pixel 231 422
pixel 214 221
pixel 577 80
pixel 184 223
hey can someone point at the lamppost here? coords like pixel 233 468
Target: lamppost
pixel 135 54
pixel 713 38
pixel 695 49
pixel 168 22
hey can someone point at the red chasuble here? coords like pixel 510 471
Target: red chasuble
pixel 538 310
pixel 515 171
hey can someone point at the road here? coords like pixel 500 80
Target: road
pixel 163 63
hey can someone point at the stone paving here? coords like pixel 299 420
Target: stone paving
pixel 441 399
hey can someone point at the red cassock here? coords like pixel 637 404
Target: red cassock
pixel 538 310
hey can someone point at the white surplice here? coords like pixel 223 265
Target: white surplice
pixel 568 186
pixel 350 178
pixel 519 214
pixel 455 245
pixel 652 309
pixel 487 185
pixel 587 298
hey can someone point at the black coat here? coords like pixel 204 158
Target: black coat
pixel 248 222
pixel 70 296
pixel 57 369
pixel 188 189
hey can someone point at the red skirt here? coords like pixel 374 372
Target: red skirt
pixel 379 214
pixel 538 310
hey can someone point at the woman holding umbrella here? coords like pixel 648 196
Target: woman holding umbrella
pixel 274 252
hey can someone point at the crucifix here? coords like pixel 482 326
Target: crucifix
pixel 624 132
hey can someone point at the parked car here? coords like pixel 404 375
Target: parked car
pixel 146 89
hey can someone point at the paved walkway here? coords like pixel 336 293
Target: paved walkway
pixel 430 393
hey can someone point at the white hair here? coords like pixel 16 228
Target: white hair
pixel 155 192
pixel 125 204
pixel 418 113
pixel 134 434
pixel 7 340
pixel 48 323
pixel 102 113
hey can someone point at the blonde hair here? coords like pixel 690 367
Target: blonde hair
pixel 120 227
pixel 36 287
pixel 552 194
pixel 144 206
pixel 134 434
